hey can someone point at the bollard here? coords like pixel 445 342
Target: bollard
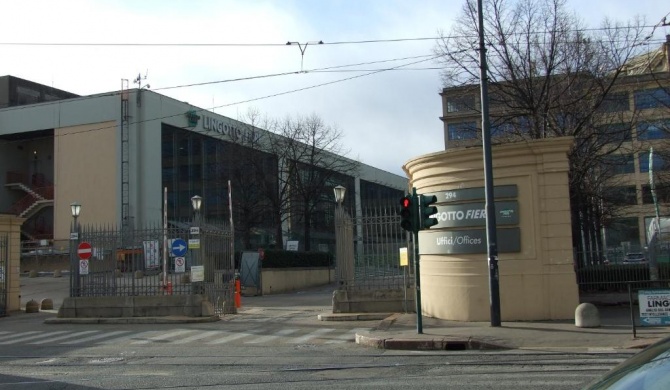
pixel 238 294
pixel 47 304
pixel 32 306
pixel 168 288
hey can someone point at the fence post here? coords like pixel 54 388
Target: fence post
pixel 632 316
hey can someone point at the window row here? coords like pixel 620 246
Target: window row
pixel 627 195
pixel 624 163
pixel 612 133
pixel 613 102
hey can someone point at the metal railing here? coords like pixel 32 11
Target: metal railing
pixel 132 263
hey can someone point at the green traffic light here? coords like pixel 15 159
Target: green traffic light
pixel 427 210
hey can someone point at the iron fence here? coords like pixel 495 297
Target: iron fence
pixel 4 272
pixel 140 262
pixel 374 244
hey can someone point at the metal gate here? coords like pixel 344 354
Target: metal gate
pixel 131 263
pixel 4 272
pixel 250 271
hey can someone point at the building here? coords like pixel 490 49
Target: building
pixel 637 112
pixel 116 152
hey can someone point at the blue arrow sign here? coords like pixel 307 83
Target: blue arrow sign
pixel 179 247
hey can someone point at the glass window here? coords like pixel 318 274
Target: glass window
pixel 623 230
pixel 614 133
pixel 662 194
pixel 621 196
pixel 652 98
pixel 460 103
pixel 615 102
pixel 659 162
pixel 619 164
pixel 653 130
pixel 500 129
pixel 462 130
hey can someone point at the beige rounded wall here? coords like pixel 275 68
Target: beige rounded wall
pixel 537 281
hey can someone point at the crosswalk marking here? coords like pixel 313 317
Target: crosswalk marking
pixel 234 336
pixel 164 336
pixel 6 337
pixel 312 335
pixel 181 336
pixel 31 337
pixel 349 335
pixel 265 339
pixel 96 337
pixel 202 335
pixel 67 336
pixel 132 336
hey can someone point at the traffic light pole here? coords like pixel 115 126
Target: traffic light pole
pixel 417 274
pixel 491 237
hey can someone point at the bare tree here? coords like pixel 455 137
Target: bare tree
pixel 300 161
pixel 551 76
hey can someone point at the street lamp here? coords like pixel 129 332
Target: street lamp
pixel 196 202
pixel 303 48
pixel 339 194
pixel 75 209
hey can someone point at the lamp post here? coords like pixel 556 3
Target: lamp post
pixel 302 55
pixel 196 202
pixel 75 209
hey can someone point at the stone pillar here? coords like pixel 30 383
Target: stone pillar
pixel 12 225
pixel 537 280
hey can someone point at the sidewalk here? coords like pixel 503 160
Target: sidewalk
pixel 399 330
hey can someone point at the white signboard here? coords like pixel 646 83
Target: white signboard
pixel 179 264
pixel 291 245
pixel 74 236
pixel 654 307
pixel 193 243
pixel 197 273
pixel 195 230
pixel 152 254
pixel 83 267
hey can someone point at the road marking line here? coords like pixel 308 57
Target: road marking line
pixel 163 336
pixel 197 337
pixel 96 337
pixel 312 335
pixel 67 336
pixel 265 339
pixel 31 337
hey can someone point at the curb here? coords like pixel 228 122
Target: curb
pixel 133 320
pixel 444 343
pixel 353 316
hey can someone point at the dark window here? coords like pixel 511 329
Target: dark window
pixel 659 162
pixel 662 194
pixel 501 129
pixel 653 130
pixel 462 130
pixel 621 196
pixel 615 102
pixel 619 164
pixel 622 230
pixel 652 98
pixel 460 103
pixel 614 133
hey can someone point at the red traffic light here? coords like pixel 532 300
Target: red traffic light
pixel 405 202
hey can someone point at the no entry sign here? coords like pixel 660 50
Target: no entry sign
pixel 84 251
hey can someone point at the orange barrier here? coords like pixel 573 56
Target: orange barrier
pixel 238 294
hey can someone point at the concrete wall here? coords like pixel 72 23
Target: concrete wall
pixel 281 280
pixel 85 171
pixel 537 283
pixel 12 225
pixel 45 263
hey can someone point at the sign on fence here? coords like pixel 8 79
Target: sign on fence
pixel 654 307
pixel 152 254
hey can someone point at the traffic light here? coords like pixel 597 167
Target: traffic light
pixel 425 221
pixel 407 213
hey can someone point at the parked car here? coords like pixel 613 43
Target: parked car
pixel 649 369
pixel 634 258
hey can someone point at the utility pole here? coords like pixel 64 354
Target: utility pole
pixel 491 236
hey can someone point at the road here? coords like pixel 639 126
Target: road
pixel 275 341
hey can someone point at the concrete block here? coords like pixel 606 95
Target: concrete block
pixel 32 273
pixel 587 316
pixel 57 273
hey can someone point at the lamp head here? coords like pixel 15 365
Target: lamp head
pixel 196 201
pixel 75 209
pixel 339 194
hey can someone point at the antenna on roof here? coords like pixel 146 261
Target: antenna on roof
pixel 138 81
